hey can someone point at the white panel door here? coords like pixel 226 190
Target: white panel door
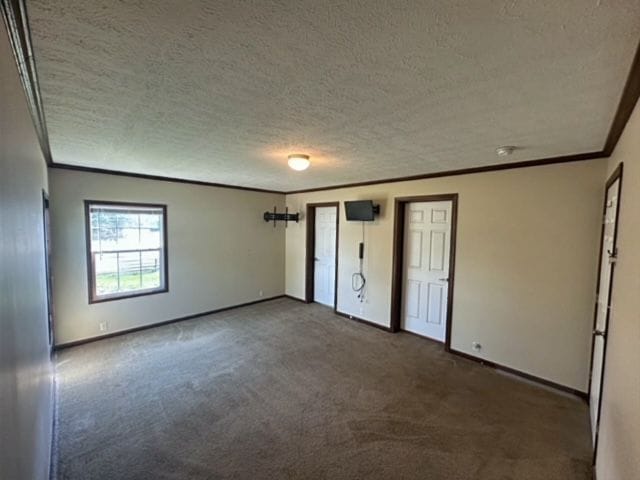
pixel 324 286
pixel 427 243
pixel 603 303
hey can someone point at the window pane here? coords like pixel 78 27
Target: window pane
pixel 150 220
pixel 105 222
pixel 127 220
pixel 106 272
pixel 150 231
pixel 128 238
pixel 129 271
pixel 150 239
pixel 151 269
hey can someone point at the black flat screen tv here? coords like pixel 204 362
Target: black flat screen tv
pixel 361 210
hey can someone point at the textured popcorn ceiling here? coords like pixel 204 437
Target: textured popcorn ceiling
pixel 222 91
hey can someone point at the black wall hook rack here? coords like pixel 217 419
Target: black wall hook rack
pixel 285 217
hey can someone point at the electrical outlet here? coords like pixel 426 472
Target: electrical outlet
pixel 260 293
pixel 104 326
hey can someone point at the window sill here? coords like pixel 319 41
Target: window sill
pixel 124 296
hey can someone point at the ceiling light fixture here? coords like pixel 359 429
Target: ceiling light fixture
pixel 505 151
pixel 298 161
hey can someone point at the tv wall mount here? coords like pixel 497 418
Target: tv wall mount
pixel 285 217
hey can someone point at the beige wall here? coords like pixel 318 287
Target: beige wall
pixel 527 247
pixel 26 394
pixel 619 446
pixel 221 251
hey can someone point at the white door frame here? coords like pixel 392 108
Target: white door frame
pixel 310 219
pixel 615 176
pixel 397 280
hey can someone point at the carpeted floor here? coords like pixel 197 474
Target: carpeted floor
pixel 283 390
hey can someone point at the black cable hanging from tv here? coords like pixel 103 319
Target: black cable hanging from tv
pixel 358 280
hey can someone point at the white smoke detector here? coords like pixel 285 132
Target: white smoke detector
pixel 505 150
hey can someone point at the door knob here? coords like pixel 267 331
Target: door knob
pixel 599 333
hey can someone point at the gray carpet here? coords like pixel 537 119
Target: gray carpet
pixel 283 390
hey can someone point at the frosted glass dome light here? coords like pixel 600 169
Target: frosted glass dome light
pixel 298 161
